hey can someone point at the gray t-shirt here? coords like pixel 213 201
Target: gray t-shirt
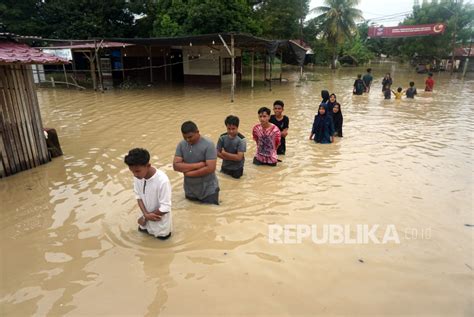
pixel 232 145
pixel 203 186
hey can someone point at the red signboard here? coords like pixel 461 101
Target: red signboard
pixel 407 30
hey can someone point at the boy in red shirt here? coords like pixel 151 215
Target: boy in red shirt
pixel 267 136
pixel 429 83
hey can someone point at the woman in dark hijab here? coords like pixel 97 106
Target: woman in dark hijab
pixel 386 82
pixel 337 119
pixel 323 127
pixel 325 96
pixel 330 104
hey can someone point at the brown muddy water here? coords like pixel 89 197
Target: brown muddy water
pixel 70 245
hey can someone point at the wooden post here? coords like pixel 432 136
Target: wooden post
pixel 92 64
pixel 164 66
pixel 454 39
pixel 52 82
pixel 232 64
pixel 252 80
pixel 94 79
pixel 65 76
pixel 123 66
pixel 73 62
pixel 150 57
pixel 265 70
pixel 281 65
pixel 97 58
pixel 271 73
pixel 466 62
pixel 232 67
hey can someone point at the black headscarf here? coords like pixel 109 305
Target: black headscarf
pixel 319 125
pixel 325 96
pixel 337 120
pixel 330 105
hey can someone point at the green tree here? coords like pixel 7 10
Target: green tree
pixel 337 21
pixel 181 17
pixel 282 19
pixel 358 49
pixel 165 26
pixel 145 13
pixel 83 19
pixel 20 17
pixel 68 19
pixel 211 16
pixel 458 17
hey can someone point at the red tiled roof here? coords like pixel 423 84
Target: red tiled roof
pixel 16 53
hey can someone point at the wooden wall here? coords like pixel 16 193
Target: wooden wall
pixel 22 141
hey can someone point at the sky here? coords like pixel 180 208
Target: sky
pixel 390 10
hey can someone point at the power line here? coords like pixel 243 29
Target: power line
pixel 398 16
pixel 387 15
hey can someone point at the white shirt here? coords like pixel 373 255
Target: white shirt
pixel 155 192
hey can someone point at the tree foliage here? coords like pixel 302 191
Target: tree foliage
pixel 80 19
pixel 333 31
pixel 337 22
pixel 458 17
pixel 76 19
pixel 281 19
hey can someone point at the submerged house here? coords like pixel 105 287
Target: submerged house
pixel 204 59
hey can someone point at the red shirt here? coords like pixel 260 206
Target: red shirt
pixel 268 141
pixel 429 83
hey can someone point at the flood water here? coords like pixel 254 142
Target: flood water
pixel 69 240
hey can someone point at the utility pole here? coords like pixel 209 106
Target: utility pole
pixel 454 35
pixel 466 63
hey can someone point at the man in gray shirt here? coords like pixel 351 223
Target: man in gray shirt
pixel 196 158
pixel 231 147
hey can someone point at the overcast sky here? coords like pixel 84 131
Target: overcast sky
pixel 378 9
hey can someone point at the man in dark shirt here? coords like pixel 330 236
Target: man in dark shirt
pixel 282 122
pixel 231 147
pixel 368 79
pixel 411 92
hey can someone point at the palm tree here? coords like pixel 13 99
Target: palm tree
pixel 337 21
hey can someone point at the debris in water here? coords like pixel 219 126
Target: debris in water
pixel 468 225
pixel 361 261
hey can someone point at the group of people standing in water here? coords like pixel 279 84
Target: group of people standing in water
pixel 362 84
pixel 196 155
pixel 328 121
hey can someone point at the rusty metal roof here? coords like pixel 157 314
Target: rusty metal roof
pixel 89 46
pixel 17 53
